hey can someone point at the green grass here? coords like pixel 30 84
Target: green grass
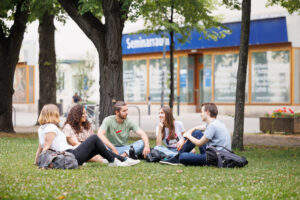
pixel 272 173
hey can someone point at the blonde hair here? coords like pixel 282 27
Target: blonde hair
pixel 49 114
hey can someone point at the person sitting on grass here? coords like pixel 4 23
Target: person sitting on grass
pixel 215 133
pixel 51 137
pixel 77 129
pixel 114 132
pixel 169 132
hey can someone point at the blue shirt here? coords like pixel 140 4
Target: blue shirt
pixel 217 134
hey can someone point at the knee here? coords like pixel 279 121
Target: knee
pixel 197 134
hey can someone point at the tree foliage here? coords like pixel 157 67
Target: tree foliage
pixel 189 15
pixel 293 6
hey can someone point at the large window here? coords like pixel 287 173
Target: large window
pixel 187 79
pixel 271 77
pixel 135 80
pixel 226 67
pixel 24 84
pixel 160 79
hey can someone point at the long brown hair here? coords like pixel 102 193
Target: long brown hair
pixel 74 117
pixel 169 123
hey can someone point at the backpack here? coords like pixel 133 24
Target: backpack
pixel 57 160
pixel 223 158
pixel 155 156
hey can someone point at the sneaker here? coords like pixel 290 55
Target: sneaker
pixel 104 161
pixel 118 163
pixel 130 161
pixel 171 161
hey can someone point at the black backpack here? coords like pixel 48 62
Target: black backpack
pixel 155 156
pixel 223 158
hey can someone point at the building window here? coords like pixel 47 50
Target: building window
pixel 24 84
pixel 225 78
pixel 135 80
pixel 271 77
pixel 187 79
pixel 207 82
pixel 160 78
pixel 297 76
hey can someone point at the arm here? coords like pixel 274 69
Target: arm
pixel 159 134
pixel 48 141
pixel 146 141
pixel 101 134
pixel 73 141
pixel 194 140
pixel 38 152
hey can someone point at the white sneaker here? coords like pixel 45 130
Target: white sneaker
pixel 131 161
pixel 104 161
pixel 117 163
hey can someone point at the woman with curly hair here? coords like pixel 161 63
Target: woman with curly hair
pixel 77 129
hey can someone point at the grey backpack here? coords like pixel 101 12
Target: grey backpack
pixel 57 160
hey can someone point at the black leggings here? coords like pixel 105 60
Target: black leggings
pixel 93 146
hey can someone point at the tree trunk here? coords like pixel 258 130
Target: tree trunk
pixel 9 55
pixel 47 61
pixel 107 39
pixel 171 101
pixel 238 133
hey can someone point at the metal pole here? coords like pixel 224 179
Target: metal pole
pixel 163 74
pixel 149 105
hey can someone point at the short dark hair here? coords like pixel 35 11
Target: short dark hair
pixel 212 108
pixel 117 106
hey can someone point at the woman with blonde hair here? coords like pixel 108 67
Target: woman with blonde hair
pixel 169 131
pixel 50 137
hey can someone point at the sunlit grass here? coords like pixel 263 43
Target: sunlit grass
pixel 272 173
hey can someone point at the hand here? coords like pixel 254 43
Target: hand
pixel 146 151
pixel 187 134
pixel 200 127
pixel 161 125
pixel 180 144
pixel 115 151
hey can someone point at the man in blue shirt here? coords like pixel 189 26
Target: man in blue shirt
pixel 215 133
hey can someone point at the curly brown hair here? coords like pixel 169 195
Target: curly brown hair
pixel 74 117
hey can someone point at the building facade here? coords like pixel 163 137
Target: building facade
pixel 206 70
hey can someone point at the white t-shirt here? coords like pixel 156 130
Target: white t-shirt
pixel 59 143
pixel 179 129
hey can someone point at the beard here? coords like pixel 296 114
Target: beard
pixel 122 116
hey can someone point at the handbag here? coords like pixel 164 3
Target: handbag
pixel 223 158
pixel 57 160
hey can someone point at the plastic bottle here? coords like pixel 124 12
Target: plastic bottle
pixel 132 152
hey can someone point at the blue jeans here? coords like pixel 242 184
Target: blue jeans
pixel 167 151
pixel 187 158
pixel 137 145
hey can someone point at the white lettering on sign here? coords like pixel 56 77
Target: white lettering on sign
pixel 147 42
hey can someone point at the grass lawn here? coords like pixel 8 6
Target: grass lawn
pixel 272 173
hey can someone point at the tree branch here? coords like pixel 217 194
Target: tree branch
pixel 88 23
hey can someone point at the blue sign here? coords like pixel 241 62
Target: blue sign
pixel 263 31
pixel 207 77
pixel 182 80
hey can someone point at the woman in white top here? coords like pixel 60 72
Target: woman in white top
pixel 50 137
pixel 169 132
